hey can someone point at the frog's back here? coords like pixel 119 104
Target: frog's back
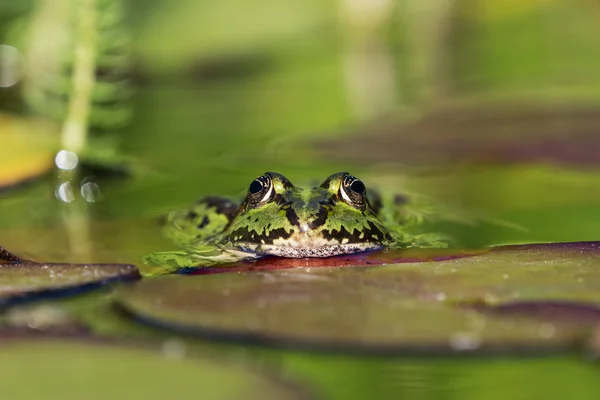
pixel 204 220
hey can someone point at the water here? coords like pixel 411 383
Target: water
pixel 194 140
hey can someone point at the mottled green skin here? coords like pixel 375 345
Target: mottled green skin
pixel 276 218
pixel 295 222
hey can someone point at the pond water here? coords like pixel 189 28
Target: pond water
pixel 191 140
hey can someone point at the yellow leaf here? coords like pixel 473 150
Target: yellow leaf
pixel 27 149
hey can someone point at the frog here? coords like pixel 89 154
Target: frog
pixel 340 216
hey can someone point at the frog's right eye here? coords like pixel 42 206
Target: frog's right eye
pixel 353 191
pixel 260 190
pixel 255 187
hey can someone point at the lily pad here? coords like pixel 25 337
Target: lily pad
pixel 363 259
pixel 581 313
pixel 560 271
pixel 402 308
pixel 30 281
pixel 93 370
pixel 6 257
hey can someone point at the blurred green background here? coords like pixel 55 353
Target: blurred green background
pixel 489 106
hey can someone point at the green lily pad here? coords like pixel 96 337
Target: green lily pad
pixel 57 369
pixel 26 280
pixel 410 307
pixel 560 271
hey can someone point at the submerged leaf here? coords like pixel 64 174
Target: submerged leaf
pixel 97 371
pixel 43 318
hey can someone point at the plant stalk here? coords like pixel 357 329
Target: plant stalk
pixel 75 128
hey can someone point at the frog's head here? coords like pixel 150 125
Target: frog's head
pixel 279 219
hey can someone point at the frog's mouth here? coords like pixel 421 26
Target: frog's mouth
pixel 292 249
pixel 323 251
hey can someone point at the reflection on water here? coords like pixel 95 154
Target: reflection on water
pixel 369 66
pixel 478 379
pixel 530 378
pixel 524 203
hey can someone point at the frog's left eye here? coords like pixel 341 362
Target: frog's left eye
pixel 260 190
pixel 353 191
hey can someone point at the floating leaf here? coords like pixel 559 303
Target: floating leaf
pixel 211 261
pixel 92 370
pixel 396 308
pixel 6 257
pixel 560 271
pixel 27 148
pixel 29 281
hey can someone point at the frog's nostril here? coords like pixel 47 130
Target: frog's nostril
pixel 304 227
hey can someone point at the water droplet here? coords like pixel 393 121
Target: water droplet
pixel 490 298
pixel 546 330
pixel 173 349
pixel 12 66
pixel 440 296
pixel 39 317
pixel 90 191
pixel 66 160
pixel 476 322
pixel 505 276
pixel 65 193
pixel 462 341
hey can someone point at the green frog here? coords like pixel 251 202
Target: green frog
pixel 276 218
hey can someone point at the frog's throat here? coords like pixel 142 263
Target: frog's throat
pixel 293 249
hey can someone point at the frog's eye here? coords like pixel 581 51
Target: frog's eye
pixel 353 191
pixel 260 190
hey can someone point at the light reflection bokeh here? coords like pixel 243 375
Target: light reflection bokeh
pixel 64 192
pixel 12 66
pixel 66 160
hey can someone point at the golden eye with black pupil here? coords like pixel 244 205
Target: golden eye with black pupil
pixel 353 191
pixel 260 190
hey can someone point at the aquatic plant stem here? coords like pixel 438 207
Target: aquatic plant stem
pixel 75 128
